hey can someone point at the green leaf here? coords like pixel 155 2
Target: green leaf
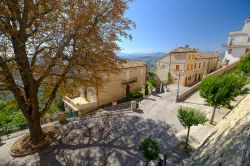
pixel 191 117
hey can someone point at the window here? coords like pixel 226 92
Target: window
pixel 189 56
pixel 229 50
pixel 199 65
pixel 188 67
pixel 192 67
pixel 204 64
pixel 248 39
pixel 195 66
pixel 177 67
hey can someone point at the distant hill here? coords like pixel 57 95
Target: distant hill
pixel 149 58
pixel 140 55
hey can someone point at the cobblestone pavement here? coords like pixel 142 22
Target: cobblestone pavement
pixel 101 140
pixel 114 140
pixel 162 107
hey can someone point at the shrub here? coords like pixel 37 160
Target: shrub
pixel 150 148
pixel 11 118
pixel 151 78
pixel 244 64
pixel 134 95
pixel 146 89
pixel 169 77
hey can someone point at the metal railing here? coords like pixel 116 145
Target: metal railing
pixel 20 129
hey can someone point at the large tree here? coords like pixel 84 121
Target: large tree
pixel 47 44
pixel 219 91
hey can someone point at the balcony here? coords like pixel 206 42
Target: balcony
pixel 79 103
pixel 238 44
pixel 129 81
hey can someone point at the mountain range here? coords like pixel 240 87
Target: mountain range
pixel 149 58
pixel 140 55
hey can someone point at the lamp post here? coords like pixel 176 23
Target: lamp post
pixel 178 74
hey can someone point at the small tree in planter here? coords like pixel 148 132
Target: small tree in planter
pixel 219 91
pixel 150 149
pixel 190 117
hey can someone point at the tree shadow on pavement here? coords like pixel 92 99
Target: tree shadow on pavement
pixel 109 140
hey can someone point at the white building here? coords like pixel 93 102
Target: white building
pixel 238 44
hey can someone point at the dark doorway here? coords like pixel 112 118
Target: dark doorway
pixel 127 89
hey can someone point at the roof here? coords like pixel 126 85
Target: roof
pixel 131 64
pixel 207 55
pixel 160 58
pixel 238 33
pixel 184 49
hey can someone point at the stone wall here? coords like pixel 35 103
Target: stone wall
pixel 114 89
pixel 229 142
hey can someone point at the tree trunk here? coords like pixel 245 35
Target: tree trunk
pixel 36 133
pixel 186 144
pixel 212 117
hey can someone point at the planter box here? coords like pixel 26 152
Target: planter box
pixel 133 105
pixel 114 103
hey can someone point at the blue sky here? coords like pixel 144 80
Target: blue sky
pixel 162 25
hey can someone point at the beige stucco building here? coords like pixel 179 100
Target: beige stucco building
pixel 192 63
pixel 131 77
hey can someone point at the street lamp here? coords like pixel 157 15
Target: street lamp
pixel 179 74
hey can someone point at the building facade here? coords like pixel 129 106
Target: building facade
pixel 190 62
pixel 238 44
pixel 132 77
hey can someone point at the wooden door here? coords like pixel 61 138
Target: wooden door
pixel 127 89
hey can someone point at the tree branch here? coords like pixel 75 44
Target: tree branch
pixel 53 92
pixel 11 85
pixel 53 60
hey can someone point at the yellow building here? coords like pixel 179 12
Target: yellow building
pixel 132 77
pixel 192 64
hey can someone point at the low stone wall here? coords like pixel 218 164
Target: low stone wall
pixel 194 88
pixel 229 142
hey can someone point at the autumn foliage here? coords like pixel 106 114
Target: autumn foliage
pixel 48 45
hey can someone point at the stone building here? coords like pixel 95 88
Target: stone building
pixel 190 62
pixel 132 77
pixel 238 44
